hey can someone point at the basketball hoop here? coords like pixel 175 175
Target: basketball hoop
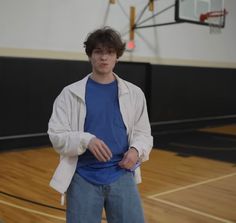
pixel 215 19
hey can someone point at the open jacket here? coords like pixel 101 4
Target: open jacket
pixel 66 127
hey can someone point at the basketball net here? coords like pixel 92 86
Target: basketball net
pixel 215 26
pixel 215 19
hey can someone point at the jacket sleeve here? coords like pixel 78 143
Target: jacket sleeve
pixel 66 141
pixel 142 139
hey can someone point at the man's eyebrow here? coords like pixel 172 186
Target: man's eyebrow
pixel 105 48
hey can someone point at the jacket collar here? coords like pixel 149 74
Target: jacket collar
pixel 122 85
pixel 78 88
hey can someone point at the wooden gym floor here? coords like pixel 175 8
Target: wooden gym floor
pixel 176 188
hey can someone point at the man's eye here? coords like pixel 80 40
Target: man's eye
pixel 97 51
pixel 111 51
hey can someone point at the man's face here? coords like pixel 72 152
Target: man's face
pixel 103 60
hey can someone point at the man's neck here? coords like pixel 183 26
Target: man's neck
pixel 103 78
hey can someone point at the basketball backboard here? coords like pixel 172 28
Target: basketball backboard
pixel 203 12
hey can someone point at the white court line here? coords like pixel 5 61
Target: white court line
pixel 31 210
pixel 191 185
pixel 154 197
pixel 193 210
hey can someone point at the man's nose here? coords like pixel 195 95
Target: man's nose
pixel 104 54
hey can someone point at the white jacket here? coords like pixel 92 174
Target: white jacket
pixel 66 127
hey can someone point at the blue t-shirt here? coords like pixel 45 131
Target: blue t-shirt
pixel 104 120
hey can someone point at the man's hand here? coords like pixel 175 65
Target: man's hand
pixel 130 159
pixel 99 149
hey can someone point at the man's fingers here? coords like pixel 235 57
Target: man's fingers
pixel 126 163
pixel 100 150
pixel 107 151
pixel 129 160
pixel 99 155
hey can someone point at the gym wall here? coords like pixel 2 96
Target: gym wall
pixel 178 97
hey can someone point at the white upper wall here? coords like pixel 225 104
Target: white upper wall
pixel 62 25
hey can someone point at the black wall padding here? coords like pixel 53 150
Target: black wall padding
pixel 175 94
pixel 137 73
pixel 184 95
pixel 28 88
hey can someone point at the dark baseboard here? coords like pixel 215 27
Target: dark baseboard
pixel 20 143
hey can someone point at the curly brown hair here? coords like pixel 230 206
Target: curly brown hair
pixel 106 37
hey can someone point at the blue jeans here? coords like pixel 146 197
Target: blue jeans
pixel 121 201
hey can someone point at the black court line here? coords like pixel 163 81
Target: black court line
pixel 32 202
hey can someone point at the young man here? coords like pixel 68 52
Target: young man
pixel 101 130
